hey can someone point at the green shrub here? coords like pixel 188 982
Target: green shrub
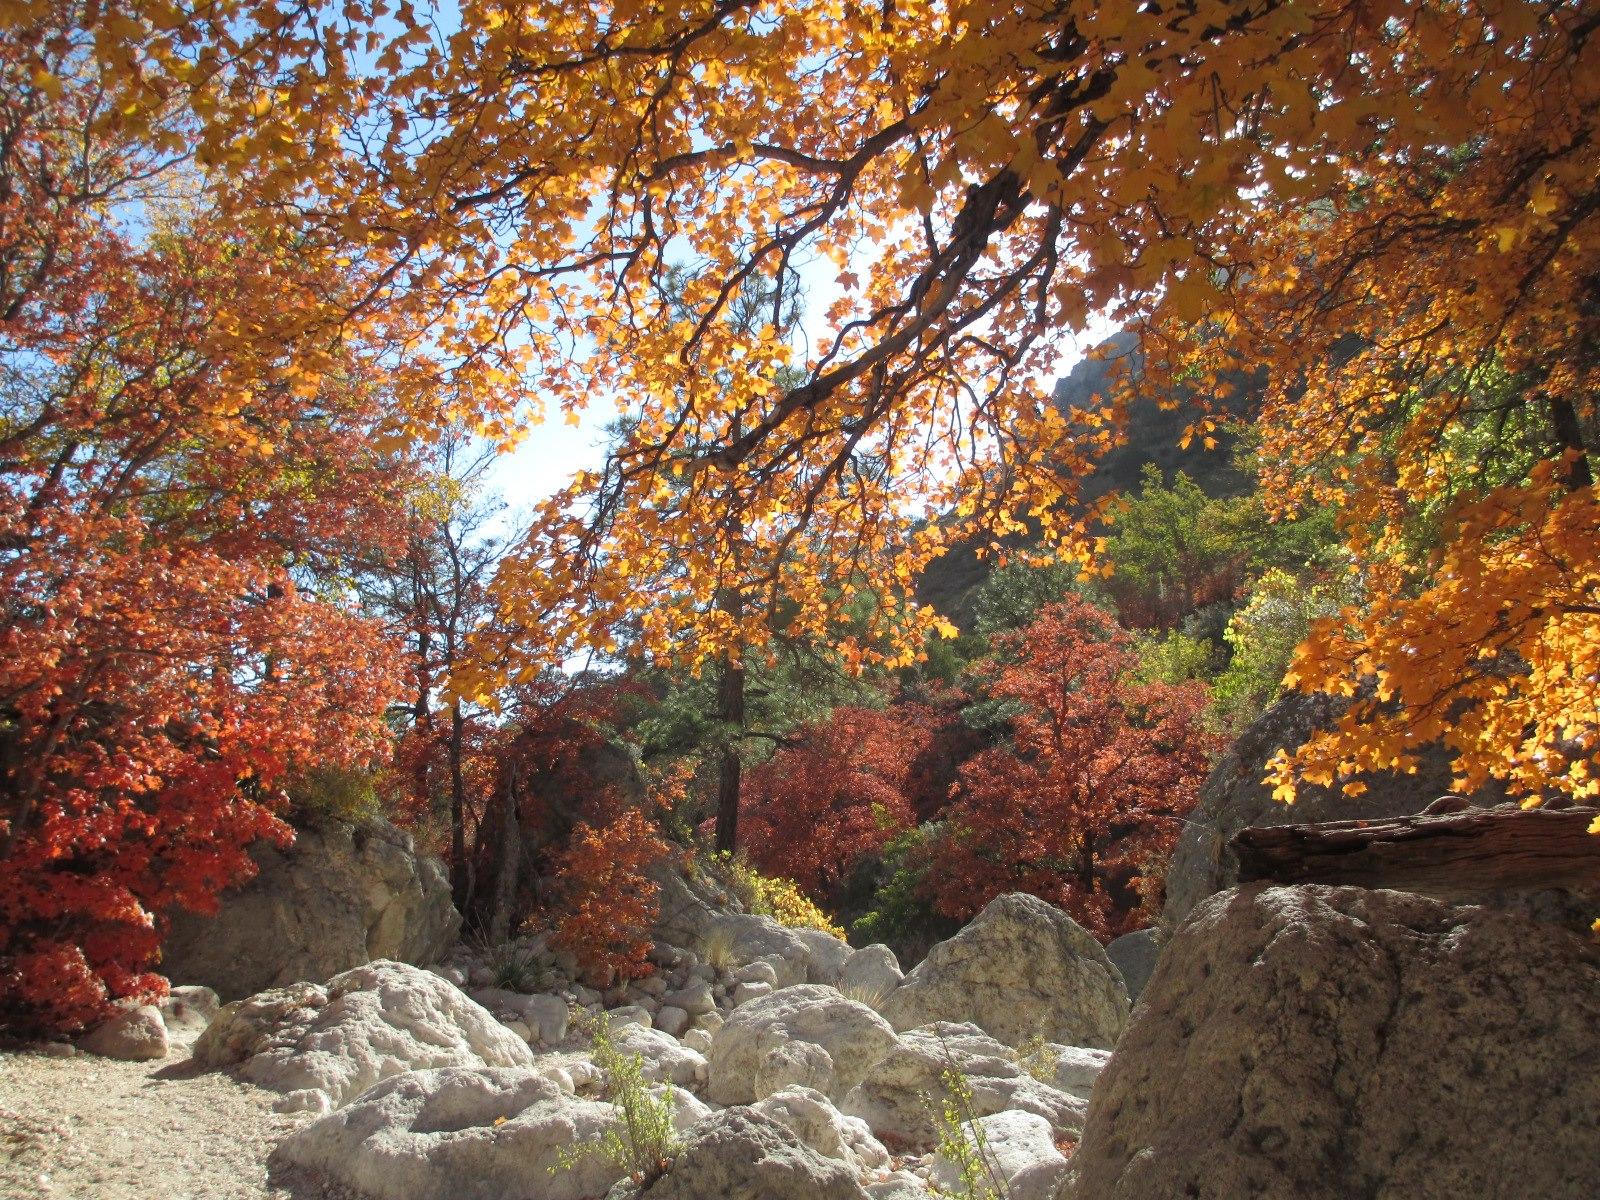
pixel 643 1144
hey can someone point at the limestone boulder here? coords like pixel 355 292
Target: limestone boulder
pixel 323 1046
pixel 1323 1043
pixel 1021 969
pixel 186 1011
pixel 460 1133
pixel 893 1097
pixel 871 971
pixel 340 896
pixel 666 1059
pixel 1072 1069
pixel 133 1035
pixel 1134 956
pixel 812 1118
pixel 1011 1146
pixel 742 1154
pixel 808 1035
pixel 826 955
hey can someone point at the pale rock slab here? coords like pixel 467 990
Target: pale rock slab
pixel 1074 1069
pixel 340 896
pixel 1012 1142
pixel 740 1154
pixel 871 970
pixel 666 1059
pixel 186 1011
pixel 1328 1042
pixel 1021 969
pixel 808 1035
pixel 459 1133
pixel 133 1035
pixel 893 1098
pixel 812 1118
pixel 321 1047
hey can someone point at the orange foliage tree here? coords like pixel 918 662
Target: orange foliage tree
pixel 605 900
pixel 841 790
pixel 177 498
pixel 1380 203
pixel 1082 806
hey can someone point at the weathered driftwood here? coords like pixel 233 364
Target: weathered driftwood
pixel 1466 855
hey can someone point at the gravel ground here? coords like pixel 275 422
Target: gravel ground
pixel 89 1128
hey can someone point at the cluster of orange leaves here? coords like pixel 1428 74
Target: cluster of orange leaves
pixel 177 490
pixel 605 900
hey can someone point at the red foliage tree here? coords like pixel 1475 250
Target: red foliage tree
pixel 1081 807
pixel 605 903
pixel 842 791
pixel 179 490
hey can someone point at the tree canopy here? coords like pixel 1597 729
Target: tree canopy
pixel 252 252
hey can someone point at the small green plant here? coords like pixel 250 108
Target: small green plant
pixel 872 995
pixel 644 1142
pixel 960 1138
pixel 1034 1057
pixel 717 951
pixel 518 969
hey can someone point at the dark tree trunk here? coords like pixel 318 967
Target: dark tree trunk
pixel 508 861
pixel 730 711
pixel 460 865
pixel 1569 435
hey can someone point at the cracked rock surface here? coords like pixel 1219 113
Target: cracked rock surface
pixel 1335 1043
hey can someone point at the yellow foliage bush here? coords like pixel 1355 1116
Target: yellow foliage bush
pixel 771 896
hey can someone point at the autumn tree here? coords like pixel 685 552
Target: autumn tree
pixel 179 505
pixel 1246 184
pixel 1082 803
pixel 434 595
pixel 841 790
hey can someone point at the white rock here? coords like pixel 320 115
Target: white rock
pixel 438 1134
pixel 741 1154
pixel 629 1014
pixel 810 1116
pixel 746 992
pixel 892 1099
pixel 549 1016
pixel 1317 1042
pixel 186 1011
pixel 899 1185
pixel 672 1020
pixel 134 1035
pixel 666 1060
pixel 871 971
pixel 757 972
pixel 324 1046
pixel 810 1035
pixel 826 955
pixel 695 999
pixel 1075 1068
pixel 1010 1143
pixel 1020 969
pixel 519 1027
pixel 688 1110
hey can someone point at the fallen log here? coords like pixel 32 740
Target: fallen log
pixel 1468 855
